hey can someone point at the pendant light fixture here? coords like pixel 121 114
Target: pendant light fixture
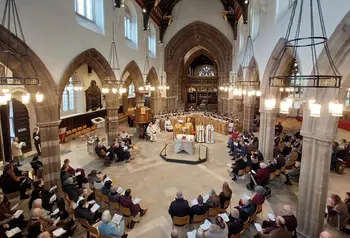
pixel 284 106
pixel 313 44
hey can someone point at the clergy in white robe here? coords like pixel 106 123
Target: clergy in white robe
pixel 168 126
pixel 230 127
pixel 209 135
pixel 200 133
pixel 151 132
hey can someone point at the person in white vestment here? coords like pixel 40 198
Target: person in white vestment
pixel 200 133
pixel 209 135
pixel 230 127
pixel 150 131
pixel 167 125
pixel 156 128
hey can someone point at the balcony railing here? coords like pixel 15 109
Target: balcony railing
pixel 196 80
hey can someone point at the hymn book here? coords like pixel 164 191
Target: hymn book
pixel 117 219
pixel 77 174
pixel 91 202
pixel 94 208
pixel 56 221
pixel 205 198
pixel 119 190
pixel 191 234
pixel 13 232
pixel 14 207
pixel 53 188
pixel 55 212
pixel 258 227
pixel 271 216
pixel 136 200
pixel 58 232
pixel 224 217
pixel 205 226
pixel 17 213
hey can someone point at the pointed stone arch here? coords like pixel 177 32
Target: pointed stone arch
pixel 95 60
pixel 195 34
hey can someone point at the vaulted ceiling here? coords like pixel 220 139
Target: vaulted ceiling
pixel 161 13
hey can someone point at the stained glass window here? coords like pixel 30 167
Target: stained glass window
pixel 206 71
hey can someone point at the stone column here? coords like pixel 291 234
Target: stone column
pixel 50 153
pixel 267 132
pixel 248 113
pixel 313 184
pixel 112 117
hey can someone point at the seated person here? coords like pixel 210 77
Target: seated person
pixel 80 179
pixel 107 228
pixel 337 209
pixel 225 194
pixel 98 183
pixel 277 231
pixel 101 152
pixel 70 170
pixel 287 149
pixel 246 209
pixel 113 195
pixel 70 189
pixel 262 177
pixel 259 197
pixel 10 183
pixel 291 222
pixel 254 146
pixel 36 164
pixel 125 137
pixel 179 207
pixel 83 212
pixel 122 153
pixel 83 195
pixel 293 175
pixel 92 177
pixel 235 225
pixel 64 173
pixel 255 162
pixel 44 214
pixel 325 234
pixel 36 193
pixel 126 201
pixel 238 165
pixel 7 220
pixel 35 230
pixel 167 125
pixel 292 158
pixel 106 187
pixel 280 161
pixel 218 229
pixel 213 200
pixel 200 208
pixel 35 217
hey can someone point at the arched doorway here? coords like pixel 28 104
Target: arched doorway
pixel 198 35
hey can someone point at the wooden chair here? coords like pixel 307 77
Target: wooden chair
pixel 236 236
pixel 213 212
pixel 252 217
pixel 84 126
pixel 101 236
pixel 241 172
pixel 278 172
pixel 273 176
pixel 181 221
pixel 105 199
pixel 93 128
pixel 283 169
pixel 74 130
pixel 70 204
pixel 92 231
pixel 98 194
pixel 245 225
pixel 83 132
pixel 258 209
pixel 79 128
pixel 125 211
pixel 227 204
pixel 199 219
pixel 115 205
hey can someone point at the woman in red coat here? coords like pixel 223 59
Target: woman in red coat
pixel 126 201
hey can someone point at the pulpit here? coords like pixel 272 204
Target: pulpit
pixel 143 116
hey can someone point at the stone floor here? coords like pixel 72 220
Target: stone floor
pixel 155 181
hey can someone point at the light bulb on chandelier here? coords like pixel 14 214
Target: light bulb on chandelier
pixel 315 110
pixel 270 103
pixel 3 100
pixel 284 106
pixel 8 96
pixel 39 97
pixel 258 93
pixel 312 100
pixel 26 98
pixel 337 109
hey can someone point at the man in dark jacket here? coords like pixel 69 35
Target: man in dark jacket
pixel 71 190
pixel 280 161
pixel 179 207
pixel 235 225
pixel 200 208
pixel 82 211
pixel 37 142
pixel 122 154
pixel 239 164
pixel 262 177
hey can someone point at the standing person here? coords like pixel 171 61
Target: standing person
pixel 37 141
pixel 16 149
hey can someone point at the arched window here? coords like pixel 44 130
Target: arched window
pixel 206 71
pixel 152 41
pixel 86 8
pixel 347 99
pixel 130 25
pixel 131 91
pixel 68 98
pixel 241 36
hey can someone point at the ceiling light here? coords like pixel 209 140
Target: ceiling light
pixel 312 100
pixel 246 1
pixel 258 93
pixel 281 89
pixel 3 100
pixel 284 107
pixel 270 103
pixel 39 97
pixel 144 10
pixel 337 109
pixel 114 90
pixel 26 98
pixel 315 110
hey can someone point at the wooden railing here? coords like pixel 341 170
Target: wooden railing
pixel 195 80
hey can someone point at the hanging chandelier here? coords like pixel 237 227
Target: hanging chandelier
pixel 114 86
pixel 12 23
pixel 315 80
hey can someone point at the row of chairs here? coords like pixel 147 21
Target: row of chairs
pixel 76 132
pixel 273 175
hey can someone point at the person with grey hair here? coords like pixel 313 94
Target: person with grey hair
pixel 218 229
pixel 200 208
pixel 325 234
pixel 246 209
pixel 277 231
pixel 291 222
pixel 70 189
pixel 113 195
pixel 179 207
pixel 174 234
pixel 293 175
pixel 35 217
pixel 200 233
pixel 107 228
pixel 235 225
pixel 213 200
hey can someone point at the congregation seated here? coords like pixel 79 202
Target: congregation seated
pixel 64 174
pixel 261 178
pixel 238 165
pixel 10 183
pixel 225 194
pixel 70 189
pixel 92 177
pixel 35 217
pixel 293 175
pixel 113 195
pixel 122 153
pixel 179 207
pixel 235 224
pixel 126 201
pixel 213 200
pixel 38 187
pixel 277 231
pixel 124 136
pixel 218 229
pixel 259 197
pixel 106 187
pixel 80 179
pixel 107 228
pixel 36 165
pixel 102 153
pixel 200 208
pixel 337 209
pixel 83 195
pixel 83 212
pixel 280 161
pixel 289 218
pixel 44 214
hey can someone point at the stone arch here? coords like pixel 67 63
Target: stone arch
pixel 152 78
pixel 253 71
pixel 95 60
pixel 196 34
pixel 195 54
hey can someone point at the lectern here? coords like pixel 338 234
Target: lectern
pixel 143 116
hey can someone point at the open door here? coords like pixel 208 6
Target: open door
pixel 6 137
pixel 21 124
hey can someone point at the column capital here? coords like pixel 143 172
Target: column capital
pixel 48 124
pixel 268 112
pixel 323 138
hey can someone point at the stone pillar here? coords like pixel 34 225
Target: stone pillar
pixel 248 113
pixel 112 117
pixel 50 153
pixel 313 184
pixel 267 132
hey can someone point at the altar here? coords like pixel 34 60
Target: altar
pixel 184 143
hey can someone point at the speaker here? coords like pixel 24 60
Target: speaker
pixel 89 70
